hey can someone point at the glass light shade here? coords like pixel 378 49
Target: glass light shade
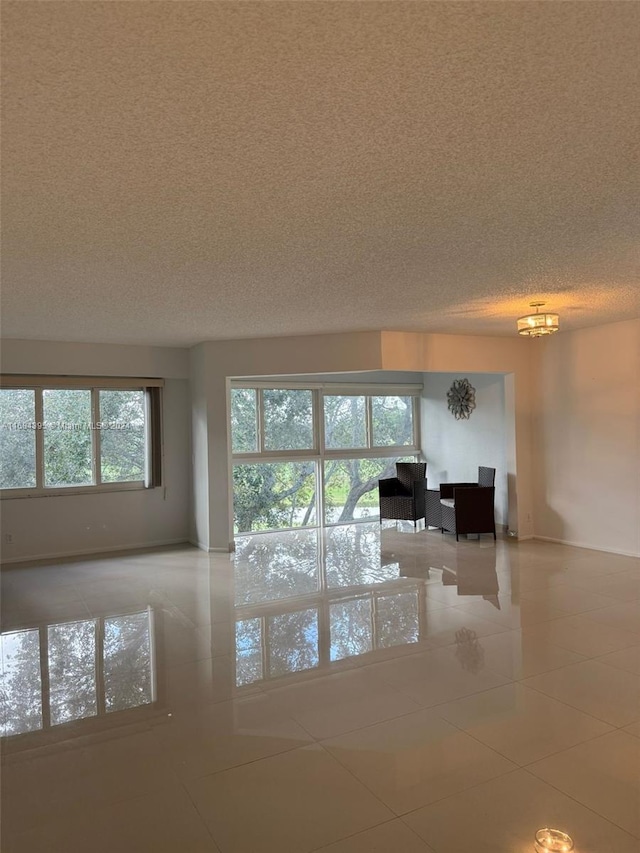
pixel 553 841
pixel 535 325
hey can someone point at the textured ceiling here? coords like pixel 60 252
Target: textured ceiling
pixel 183 171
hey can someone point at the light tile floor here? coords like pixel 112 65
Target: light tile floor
pixel 348 690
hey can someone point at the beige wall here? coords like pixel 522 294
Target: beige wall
pixel 61 525
pixel 587 437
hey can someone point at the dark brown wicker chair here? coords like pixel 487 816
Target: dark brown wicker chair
pixel 402 496
pixel 469 507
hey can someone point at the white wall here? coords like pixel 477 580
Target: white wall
pixel 76 524
pixel 410 353
pixel 587 437
pixel 454 449
pixel 200 434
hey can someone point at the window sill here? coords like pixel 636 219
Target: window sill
pixel 104 488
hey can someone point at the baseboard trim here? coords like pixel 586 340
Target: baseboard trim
pixel 95 552
pixel 207 550
pixel 587 546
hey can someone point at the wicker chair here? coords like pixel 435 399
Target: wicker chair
pixel 402 496
pixel 468 507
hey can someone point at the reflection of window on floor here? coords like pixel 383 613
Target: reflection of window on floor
pixel 376 621
pixel 21 695
pixel 91 667
pixel 277 644
pixel 270 646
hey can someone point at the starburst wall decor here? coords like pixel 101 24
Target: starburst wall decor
pixel 461 398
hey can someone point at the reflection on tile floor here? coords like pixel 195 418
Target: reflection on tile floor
pixel 352 689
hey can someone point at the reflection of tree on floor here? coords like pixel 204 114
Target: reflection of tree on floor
pixel 92 667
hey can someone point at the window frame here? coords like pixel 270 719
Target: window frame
pixel 262 451
pixel 152 389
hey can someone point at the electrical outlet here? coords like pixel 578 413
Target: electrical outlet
pixel 8 538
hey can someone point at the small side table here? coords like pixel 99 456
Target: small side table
pixel 433 508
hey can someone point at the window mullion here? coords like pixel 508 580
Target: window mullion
pixel 96 437
pixel 369 409
pixel 99 667
pixel 260 417
pixel 266 648
pixel 39 415
pixel 45 686
pixel 318 438
pixel 318 421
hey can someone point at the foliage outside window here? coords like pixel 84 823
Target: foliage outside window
pixel 392 420
pixel 68 442
pixel 289 473
pixel 288 419
pixel 274 495
pixel 345 422
pixel 66 438
pixel 351 487
pixel 17 446
pixel 244 416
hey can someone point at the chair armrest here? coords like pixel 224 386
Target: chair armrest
pixel 389 487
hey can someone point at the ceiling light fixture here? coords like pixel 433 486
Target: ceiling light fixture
pixel 536 325
pixel 553 841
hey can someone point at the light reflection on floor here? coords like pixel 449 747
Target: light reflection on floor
pixel 386 680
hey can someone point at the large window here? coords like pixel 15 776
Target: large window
pixel 67 435
pixel 306 455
